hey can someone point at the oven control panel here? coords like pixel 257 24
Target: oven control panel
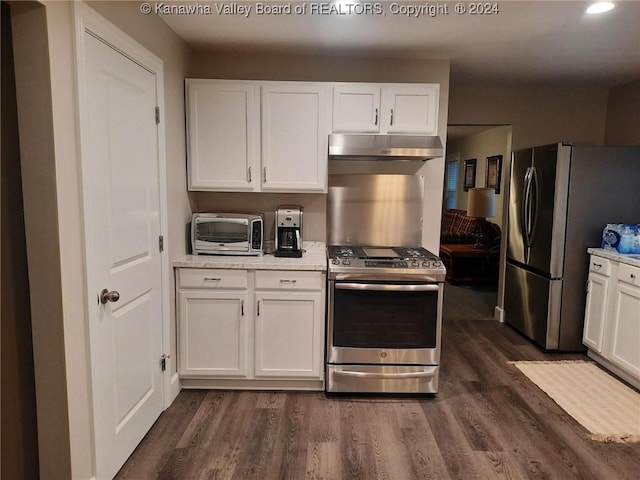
pixel 386 263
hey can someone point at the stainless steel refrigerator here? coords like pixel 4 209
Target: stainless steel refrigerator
pixel 561 198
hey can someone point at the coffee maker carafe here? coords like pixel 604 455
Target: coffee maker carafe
pixel 288 231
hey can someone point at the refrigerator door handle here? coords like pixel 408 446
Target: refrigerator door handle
pixel 526 208
pixel 534 204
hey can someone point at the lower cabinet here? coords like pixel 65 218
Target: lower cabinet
pixel 213 333
pixel 625 328
pixel 289 324
pixel 595 312
pixel 612 317
pixel 267 327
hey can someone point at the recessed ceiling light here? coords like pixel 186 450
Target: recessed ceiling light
pixel 600 7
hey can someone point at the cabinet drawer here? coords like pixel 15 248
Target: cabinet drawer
pixel 288 280
pixel 212 278
pixel 600 265
pixel 629 274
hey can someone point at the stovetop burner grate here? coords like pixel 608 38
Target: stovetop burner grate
pixel 377 252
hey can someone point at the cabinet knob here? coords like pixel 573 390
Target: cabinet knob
pixel 633 276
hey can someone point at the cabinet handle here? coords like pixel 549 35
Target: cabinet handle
pixel 376 120
pixel 249 175
pixel 242 308
pixel 284 280
pixel 212 279
pixel 258 308
pixel 264 175
pixel 597 265
pixel 633 276
pixel 391 123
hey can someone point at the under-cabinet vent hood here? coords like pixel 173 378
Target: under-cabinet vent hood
pixel 384 147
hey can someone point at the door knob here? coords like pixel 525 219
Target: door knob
pixel 109 296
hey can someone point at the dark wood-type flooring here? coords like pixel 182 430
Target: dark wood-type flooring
pixel 488 421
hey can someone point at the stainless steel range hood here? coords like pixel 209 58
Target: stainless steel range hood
pixel 384 147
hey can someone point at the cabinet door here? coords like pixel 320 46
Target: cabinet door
pixel 213 333
pixel 625 332
pixel 295 134
pixel 410 108
pixel 289 334
pixel 223 142
pixel 594 316
pixel 356 108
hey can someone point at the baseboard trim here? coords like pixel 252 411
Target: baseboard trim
pixel 498 314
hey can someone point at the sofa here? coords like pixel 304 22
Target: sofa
pixel 458 228
pixel 464 260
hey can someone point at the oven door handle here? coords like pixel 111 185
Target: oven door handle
pixel 430 287
pixel 386 376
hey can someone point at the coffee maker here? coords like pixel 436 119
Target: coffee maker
pixel 288 231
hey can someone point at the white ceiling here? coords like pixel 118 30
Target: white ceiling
pixel 541 42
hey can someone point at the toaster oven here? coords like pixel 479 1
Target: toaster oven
pixel 227 233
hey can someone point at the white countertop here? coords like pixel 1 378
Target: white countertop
pixel 630 259
pixel 314 257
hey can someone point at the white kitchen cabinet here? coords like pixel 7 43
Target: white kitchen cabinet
pixel 289 324
pixel 625 333
pixel 385 108
pixel 251 329
pixel 257 136
pixel 356 108
pixel 223 135
pixel 213 322
pixel 295 132
pixel 597 292
pixel 612 317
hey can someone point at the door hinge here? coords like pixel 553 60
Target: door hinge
pixel 157 115
pixel 161 243
pixel 163 361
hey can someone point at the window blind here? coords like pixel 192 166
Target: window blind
pixel 452 183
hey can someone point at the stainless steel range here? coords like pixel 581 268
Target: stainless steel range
pixel 384 319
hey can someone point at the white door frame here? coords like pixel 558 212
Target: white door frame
pixel 88 20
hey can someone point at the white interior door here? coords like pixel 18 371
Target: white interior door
pixel 122 202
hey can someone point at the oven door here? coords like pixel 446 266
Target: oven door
pixel 396 323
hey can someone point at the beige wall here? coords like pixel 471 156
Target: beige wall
pixel 36 80
pixel 326 69
pixel 496 141
pixel 19 429
pixel 539 115
pixel 623 115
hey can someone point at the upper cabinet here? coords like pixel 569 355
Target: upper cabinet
pixel 223 128
pixel 263 136
pixel 385 108
pixel 295 134
pixel 246 136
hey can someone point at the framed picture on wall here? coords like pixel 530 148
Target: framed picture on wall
pixel 470 173
pixel 493 173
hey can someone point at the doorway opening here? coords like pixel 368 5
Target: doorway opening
pixel 477 157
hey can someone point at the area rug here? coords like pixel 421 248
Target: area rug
pixel 606 407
